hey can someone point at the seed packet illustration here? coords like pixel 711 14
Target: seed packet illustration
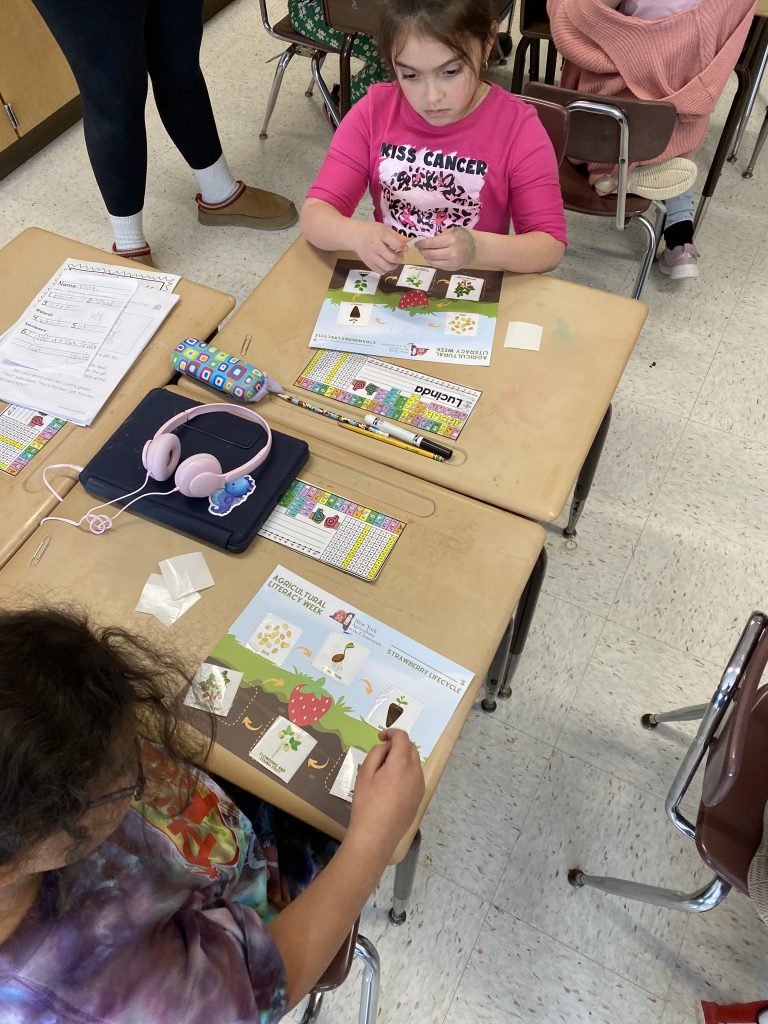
pixel 395 709
pixel 213 688
pixel 340 658
pixel 460 286
pixel 415 277
pixel 361 282
pixel 274 638
pixel 344 783
pixel 463 324
pixel 283 748
pixel 353 314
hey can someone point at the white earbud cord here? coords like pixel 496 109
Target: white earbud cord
pixel 97 523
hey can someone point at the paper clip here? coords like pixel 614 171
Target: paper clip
pixel 246 344
pixel 41 549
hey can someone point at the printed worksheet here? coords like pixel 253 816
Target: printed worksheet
pixel 413 312
pixel 427 403
pixel 308 680
pixel 333 529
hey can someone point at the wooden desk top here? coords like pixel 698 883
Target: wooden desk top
pixel 762 9
pixel 529 434
pixel 26 264
pixel 452 582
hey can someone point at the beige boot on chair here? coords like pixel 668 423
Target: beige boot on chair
pixel 653 181
pixel 248 208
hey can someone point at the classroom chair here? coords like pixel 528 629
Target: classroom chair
pixel 555 120
pixel 304 47
pixel 729 825
pixel 358 946
pixel 534 30
pixel 611 130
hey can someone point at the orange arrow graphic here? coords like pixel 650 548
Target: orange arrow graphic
pixel 306 650
pixel 249 724
pixel 368 685
pixel 315 764
pixel 275 682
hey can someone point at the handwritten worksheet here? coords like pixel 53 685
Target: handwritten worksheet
pixel 67 323
pixel 385 389
pixel 333 529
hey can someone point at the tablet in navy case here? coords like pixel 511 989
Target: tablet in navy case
pixel 231 517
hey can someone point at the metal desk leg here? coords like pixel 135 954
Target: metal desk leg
pixel 405 872
pixel 345 75
pixel 756 43
pixel 587 475
pixel 522 623
pixel 749 103
pixel 747 173
pixel 499 666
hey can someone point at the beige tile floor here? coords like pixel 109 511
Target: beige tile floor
pixel 638 615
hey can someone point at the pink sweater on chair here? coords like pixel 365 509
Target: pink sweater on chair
pixel 685 58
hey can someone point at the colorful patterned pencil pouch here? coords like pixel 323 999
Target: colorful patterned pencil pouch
pixel 221 371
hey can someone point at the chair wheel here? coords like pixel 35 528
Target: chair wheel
pixel 396 919
pixel 575 876
pixel 649 722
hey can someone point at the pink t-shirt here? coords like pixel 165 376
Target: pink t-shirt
pixel 494 165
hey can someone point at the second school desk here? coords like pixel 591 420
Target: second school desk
pixel 26 264
pixel 452 581
pixel 540 414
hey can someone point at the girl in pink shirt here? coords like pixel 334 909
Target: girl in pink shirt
pixel 448 158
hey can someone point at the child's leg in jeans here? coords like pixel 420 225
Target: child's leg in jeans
pixel 678 224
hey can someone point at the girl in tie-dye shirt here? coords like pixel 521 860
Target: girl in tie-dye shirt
pixel 133 890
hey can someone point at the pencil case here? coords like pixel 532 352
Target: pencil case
pixel 222 371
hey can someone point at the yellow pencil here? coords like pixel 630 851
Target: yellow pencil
pixel 392 440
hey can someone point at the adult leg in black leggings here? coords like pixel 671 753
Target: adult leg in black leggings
pixel 112 46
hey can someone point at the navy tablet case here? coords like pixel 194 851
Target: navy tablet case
pixel 226 520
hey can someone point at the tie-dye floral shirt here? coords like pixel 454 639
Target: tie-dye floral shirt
pixel 164 923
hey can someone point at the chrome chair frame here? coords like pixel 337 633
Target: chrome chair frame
pixel 711 715
pixel 366 952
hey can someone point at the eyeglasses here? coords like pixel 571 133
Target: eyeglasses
pixel 135 792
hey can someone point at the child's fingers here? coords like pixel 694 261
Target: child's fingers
pixel 374 759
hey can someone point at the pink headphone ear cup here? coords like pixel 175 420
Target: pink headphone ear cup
pixel 199 476
pixel 161 456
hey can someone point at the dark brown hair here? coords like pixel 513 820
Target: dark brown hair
pixel 69 692
pixel 454 23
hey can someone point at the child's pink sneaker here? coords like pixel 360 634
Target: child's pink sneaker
pixel 681 261
pixel 735 1013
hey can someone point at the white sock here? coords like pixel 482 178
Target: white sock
pixel 216 182
pixel 129 232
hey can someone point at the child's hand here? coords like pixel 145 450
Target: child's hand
pixel 388 791
pixel 452 250
pixel 379 247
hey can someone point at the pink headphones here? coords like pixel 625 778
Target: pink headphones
pixel 199 475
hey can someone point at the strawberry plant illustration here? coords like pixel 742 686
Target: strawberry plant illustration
pixel 463 287
pixel 308 702
pixel 288 741
pixel 211 688
pixel 414 280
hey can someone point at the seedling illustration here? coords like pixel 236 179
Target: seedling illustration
pixel 394 710
pixel 338 658
pixel 361 283
pixel 414 280
pixel 288 741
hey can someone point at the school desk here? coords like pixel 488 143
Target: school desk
pixel 452 581
pixel 26 264
pixel 542 417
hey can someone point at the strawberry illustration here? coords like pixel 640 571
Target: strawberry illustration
pixel 308 702
pixel 413 300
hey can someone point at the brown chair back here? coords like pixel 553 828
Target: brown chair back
pixel 555 120
pixel 337 970
pixel 352 16
pixel 726 752
pixel 595 139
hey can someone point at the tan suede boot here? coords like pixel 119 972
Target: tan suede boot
pixel 143 255
pixel 249 208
